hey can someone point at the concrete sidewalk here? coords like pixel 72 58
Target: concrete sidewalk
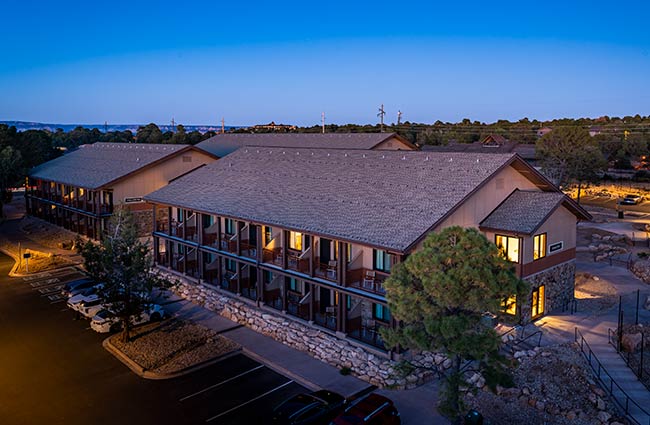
pixel 415 406
pixel 594 328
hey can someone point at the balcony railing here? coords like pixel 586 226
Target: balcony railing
pixel 327 270
pixel 272 256
pixel 367 280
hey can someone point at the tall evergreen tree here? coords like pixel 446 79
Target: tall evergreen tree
pixel 440 294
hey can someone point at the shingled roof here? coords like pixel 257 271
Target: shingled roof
pixel 523 211
pixel 350 195
pixel 224 144
pixel 96 165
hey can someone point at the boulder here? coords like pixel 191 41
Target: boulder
pixel 631 342
pixel 604 417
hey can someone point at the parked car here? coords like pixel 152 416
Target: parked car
pixel 106 321
pixel 89 309
pixel 314 408
pixel 86 296
pixel 371 409
pixel 631 199
pixel 77 286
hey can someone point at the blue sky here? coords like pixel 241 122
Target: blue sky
pixel 253 62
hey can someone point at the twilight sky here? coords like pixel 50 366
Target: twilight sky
pixel 253 62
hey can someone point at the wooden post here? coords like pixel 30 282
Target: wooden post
pixel 312 257
pixel 312 298
pixel 238 278
pixel 239 225
pixel 260 286
pixel 260 244
pixel 283 240
pixel 343 264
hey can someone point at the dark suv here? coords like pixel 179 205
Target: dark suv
pixel 309 409
pixel 372 409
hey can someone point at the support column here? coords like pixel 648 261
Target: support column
pixel 260 244
pixel 312 257
pixel 283 239
pixel 219 271
pixel 341 312
pixel 283 292
pixel 239 227
pixel 238 278
pixel 260 286
pixel 312 299
pixel 218 233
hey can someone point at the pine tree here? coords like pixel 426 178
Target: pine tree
pixel 440 295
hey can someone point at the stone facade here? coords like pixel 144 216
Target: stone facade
pixel 559 284
pixel 144 220
pixel 341 352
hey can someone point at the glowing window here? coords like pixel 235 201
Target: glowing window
pixel 295 240
pixel 509 246
pixel 539 246
pixel 509 305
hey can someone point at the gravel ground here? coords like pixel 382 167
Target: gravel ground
pixel 173 345
pixel 556 386
pixel 594 294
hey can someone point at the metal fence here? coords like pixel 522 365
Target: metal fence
pixel 633 411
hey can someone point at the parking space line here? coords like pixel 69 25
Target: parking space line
pixel 221 383
pixel 65 309
pixel 57 301
pixel 249 401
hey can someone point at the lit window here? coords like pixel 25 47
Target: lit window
pixel 509 246
pixel 268 235
pixel 509 305
pixel 295 240
pixel 539 246
pixel 381 260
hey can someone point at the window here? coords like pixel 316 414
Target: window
pixel 509 305
pixel 295 240
pixel 381 260
pixel 295 285
pixel 509 246
pixel 229 226
pixel 381 312
pixel 231 265
pixel 538 304
pixel 187 158
pixel 539 246
pixel 348 302
pixel 208 220
pixel 267 276
pixel 349 252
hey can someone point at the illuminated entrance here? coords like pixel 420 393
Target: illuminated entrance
pixel 538 302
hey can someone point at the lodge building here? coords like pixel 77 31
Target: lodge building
pixel 79 190
pixel 313 233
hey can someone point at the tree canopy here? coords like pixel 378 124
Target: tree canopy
pixel 123 264
pixel 440 295
pixel 570 154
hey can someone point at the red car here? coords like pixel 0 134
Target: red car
pixel 372 409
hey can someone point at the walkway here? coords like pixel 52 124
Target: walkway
pixel 594 328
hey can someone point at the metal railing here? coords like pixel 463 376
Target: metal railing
pixel 570 305
pixel 635 364
pixel 633 411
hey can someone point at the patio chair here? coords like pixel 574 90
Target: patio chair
pixel 369 279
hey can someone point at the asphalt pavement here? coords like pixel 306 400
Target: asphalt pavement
pixel 55 371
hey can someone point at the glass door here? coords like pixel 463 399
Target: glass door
pixel 539 301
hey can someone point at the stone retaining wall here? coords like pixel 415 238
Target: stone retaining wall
pixel 559 284
pixel 326 347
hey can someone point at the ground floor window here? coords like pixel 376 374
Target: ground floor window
pixel 509 305
pixel 381 312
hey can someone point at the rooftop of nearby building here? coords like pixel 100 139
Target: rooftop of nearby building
pixel 94 166
pixel 524 211
pixel 226 143
pixel 350 195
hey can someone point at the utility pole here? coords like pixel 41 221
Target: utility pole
pixel 381 116
pixel 322 121
pixel 105 126
pixel 173 124
pixel 223 125
pixel 399 117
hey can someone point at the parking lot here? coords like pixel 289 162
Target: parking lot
pixel 56 371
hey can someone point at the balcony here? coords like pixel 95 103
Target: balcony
pixel 273 256
pixel 327 270
pixel 298 304
pixel 298 261
pixel 367 280
pixel 367 331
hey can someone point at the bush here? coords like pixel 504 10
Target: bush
pixel 345 371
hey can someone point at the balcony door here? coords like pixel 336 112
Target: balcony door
pixel 325 250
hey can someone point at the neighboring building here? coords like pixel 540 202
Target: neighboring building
pixel 80 189
pixel 492 143
pixel 272 126
pixel 224 144
pixel 544 130
pixel 313 233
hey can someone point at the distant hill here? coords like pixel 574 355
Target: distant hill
pixel 25 125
